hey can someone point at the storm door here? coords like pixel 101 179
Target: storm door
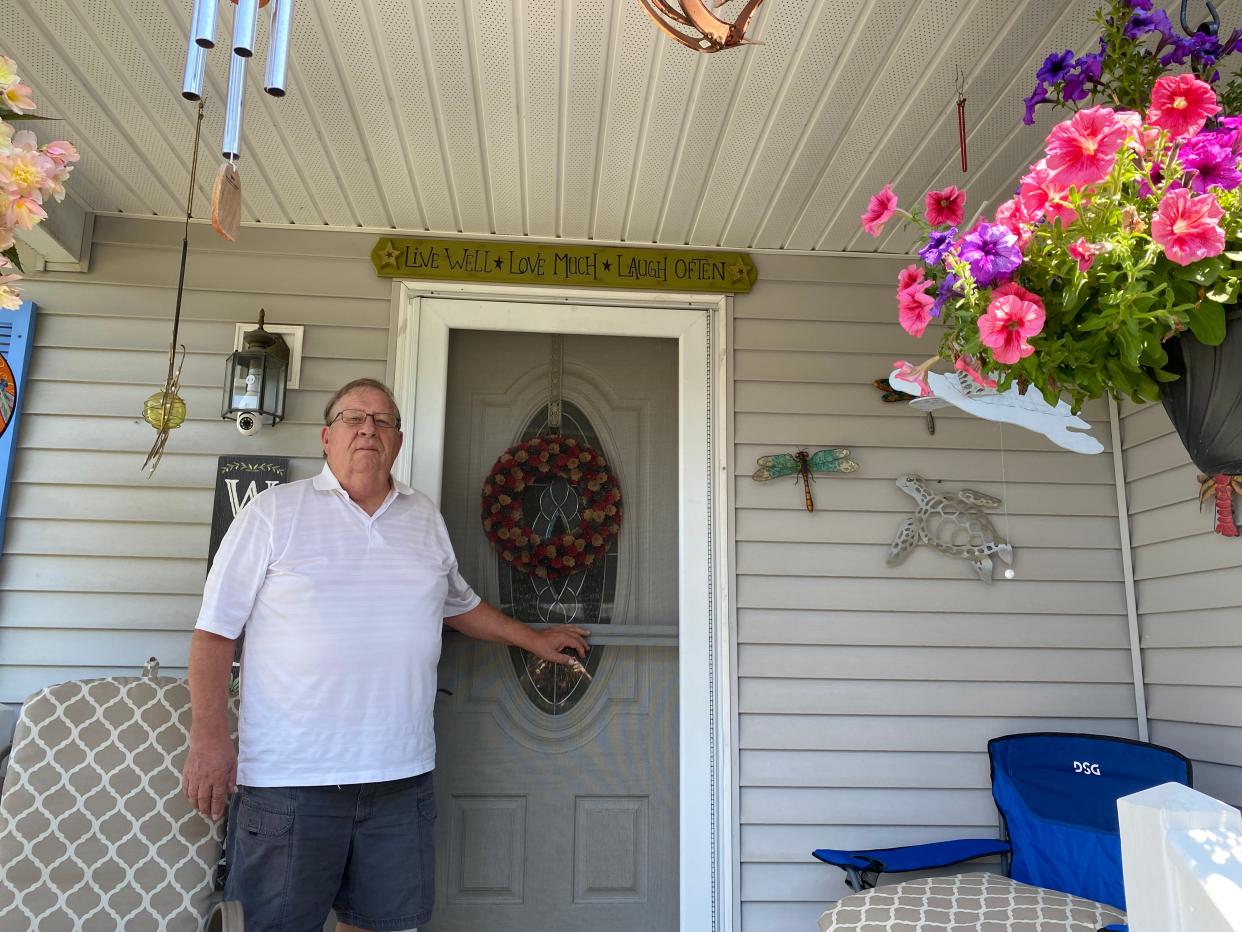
pixel 558 793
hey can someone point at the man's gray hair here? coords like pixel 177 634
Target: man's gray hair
pixel 360 383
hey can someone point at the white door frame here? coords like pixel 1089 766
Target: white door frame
pixel 697 322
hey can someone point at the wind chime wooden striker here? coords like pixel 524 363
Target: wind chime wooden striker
pixel 226 195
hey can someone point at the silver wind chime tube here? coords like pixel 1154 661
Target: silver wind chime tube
pixel 278 47
pixel 231 148
pixel 202 37
pixel 245 23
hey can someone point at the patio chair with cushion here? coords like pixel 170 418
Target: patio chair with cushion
pixel 1057 797
pixel 95 833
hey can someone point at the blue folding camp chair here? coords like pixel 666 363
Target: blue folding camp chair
pixel 1057 795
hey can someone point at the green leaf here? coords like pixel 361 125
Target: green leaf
pixel 12 256
pixel 1225 290
pixel 1207 323
pixel 1184 291
pixel 1161 375
pixel 1201 273
pixel 1094 322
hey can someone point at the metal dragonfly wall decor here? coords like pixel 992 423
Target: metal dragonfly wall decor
pixel 803 465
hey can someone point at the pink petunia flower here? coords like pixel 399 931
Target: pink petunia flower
pixel 910 275
pixel 907 373
pixel 945 206
pixel 1181 104
pixel 1082 150
pixel 879 210
pixel 1015 218
pixel 1188 227
pixel 1083 252
pixel 1043 197
pixel 914 307
pixel 968 365
pixel 1013 316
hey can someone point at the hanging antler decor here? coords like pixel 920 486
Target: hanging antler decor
pixel 708 32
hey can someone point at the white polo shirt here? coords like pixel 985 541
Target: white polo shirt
pixel 343 615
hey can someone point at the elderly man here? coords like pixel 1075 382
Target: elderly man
pixel 342 583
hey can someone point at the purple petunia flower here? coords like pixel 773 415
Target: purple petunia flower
pixel 944 293
pixel 1075 87
pixel 1211 162
pixel 1038 96
pixel 1092 64
pixel 939 242
pixel 1143 22
pixel 1055 67
pixel 992 253
pixel 1199 46
pixel 1140 4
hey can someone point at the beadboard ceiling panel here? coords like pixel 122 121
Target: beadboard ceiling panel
pixel 556 118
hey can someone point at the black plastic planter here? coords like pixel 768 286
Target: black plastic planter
pixel 1205 404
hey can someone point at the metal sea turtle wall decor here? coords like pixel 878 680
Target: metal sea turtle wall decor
pixel 952 522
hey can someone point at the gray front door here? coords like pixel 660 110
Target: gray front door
pixel 558 796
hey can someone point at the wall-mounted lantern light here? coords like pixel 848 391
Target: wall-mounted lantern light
pixel 255 378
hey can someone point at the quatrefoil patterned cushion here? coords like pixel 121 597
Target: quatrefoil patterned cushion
pixel 966 903
pixel 94 830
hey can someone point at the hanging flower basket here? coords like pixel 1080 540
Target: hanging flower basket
pixel 537 461
pixel 1124 239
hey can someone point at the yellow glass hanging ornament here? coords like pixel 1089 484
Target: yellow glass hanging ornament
pixel 165 410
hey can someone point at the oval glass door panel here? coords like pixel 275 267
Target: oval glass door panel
pixel 583 598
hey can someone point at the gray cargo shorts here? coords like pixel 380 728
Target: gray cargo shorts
pixel 363 849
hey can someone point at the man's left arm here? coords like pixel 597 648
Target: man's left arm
pixel 490 624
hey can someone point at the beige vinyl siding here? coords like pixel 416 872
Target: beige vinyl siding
pixel 866 695
pixel 103 567
pixel 1189 591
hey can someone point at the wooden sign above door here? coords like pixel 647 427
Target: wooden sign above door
pixel 510 263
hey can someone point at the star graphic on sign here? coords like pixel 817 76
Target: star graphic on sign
pixel 607 265
pixel 499 263
pixel 389 255
pixel 737 271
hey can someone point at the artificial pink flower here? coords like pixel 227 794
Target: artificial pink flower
pixel 1043 197
pixel 1083 253
pixel 910 275
pixel 914 308
pixel 25 174
pixel 1013 316
pixel 1188 227
pixel 907 373
pixel 1082 150
pixel 967 364
pixel 18 98
pixel 1181 104
pixel 26 212
pixel 946 206
pixel 879 210
pixel 61 152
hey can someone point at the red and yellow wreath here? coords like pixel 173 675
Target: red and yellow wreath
pixel 539 460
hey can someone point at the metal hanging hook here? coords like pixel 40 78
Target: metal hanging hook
pixel 1211 28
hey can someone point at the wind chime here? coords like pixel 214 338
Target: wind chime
pixel 226 195
pixel 708 32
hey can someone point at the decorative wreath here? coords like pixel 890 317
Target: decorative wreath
pixel 538 460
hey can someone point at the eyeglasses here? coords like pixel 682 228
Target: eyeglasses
pixel 356 417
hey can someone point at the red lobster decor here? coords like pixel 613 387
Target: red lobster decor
pixel 1224 488
pixel 551 555
pixel 709 33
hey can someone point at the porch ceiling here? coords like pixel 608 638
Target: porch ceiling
pixel 555 118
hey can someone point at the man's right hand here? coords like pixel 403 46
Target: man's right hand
pixel 210 774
